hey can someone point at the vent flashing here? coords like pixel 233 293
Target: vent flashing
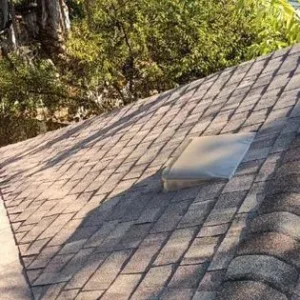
pixel 206 158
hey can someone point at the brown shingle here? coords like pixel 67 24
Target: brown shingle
pixel 94 187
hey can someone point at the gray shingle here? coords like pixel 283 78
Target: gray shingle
pixel 94 187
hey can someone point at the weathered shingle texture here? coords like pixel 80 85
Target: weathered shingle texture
pixel 91 220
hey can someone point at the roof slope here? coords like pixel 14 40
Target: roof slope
pixel 90 219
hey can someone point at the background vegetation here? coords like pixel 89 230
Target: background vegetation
pixel 120 50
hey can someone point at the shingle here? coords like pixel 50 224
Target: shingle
pixel 264 268
pixel 86 201
pixel 246 289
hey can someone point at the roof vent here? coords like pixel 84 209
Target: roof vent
pixel 206 158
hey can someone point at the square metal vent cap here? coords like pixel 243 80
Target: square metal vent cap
pixel 206 158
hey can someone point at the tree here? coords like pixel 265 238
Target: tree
pixel 53 24
pixel 7 28
pixel 45 21
pixel 3 14
pixel 120 50
pixel 276 21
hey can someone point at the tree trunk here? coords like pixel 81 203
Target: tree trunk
pixel 53 24
pixel 44 20
pixel 3 14
pixel 8 40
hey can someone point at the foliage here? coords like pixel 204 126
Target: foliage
pixel 17 128
pixel 30 93
pixel 275 21
pixel 28 86
pixel 140 47
pixel 121 50
pixel 75 9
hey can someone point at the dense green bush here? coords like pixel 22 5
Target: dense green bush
pixel 30 94
pixel 17 128
pixel 120 50
pixel 131 49
pixel 28 85
pixel 275 23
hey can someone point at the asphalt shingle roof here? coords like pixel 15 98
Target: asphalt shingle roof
pixel 91 220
